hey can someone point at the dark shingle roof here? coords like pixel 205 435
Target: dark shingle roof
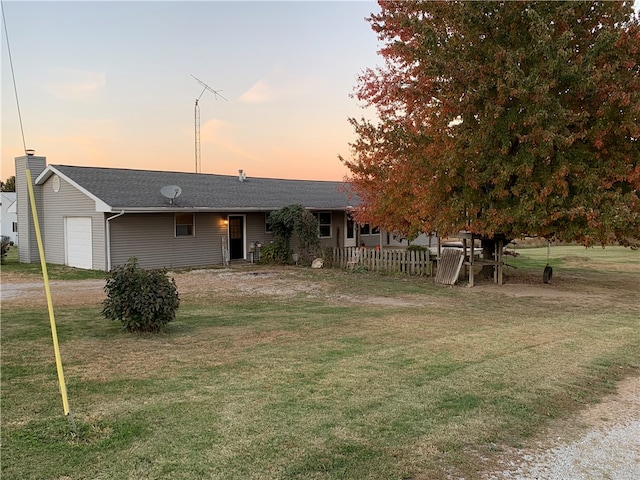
pixel 131 189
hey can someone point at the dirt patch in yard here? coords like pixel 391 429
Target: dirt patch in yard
pixel 200 285
pixel 29 292
pixel 195 286
pixel 567 288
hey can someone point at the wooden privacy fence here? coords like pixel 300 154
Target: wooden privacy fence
pixel 392 260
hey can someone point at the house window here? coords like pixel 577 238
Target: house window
pixel 351 230
pixel 267 225
pixel 184 224
pixel 15 227
pixel 367 230
pixel 324 224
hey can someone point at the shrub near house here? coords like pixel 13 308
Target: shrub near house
pixel 143 300
pixel 6 244
pixel 285 223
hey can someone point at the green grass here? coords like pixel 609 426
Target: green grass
pixel 609 259
pixel 55 272
pixel 302 387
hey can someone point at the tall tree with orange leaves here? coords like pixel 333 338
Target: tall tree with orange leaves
pixel 511 118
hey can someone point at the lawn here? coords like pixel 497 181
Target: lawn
pixel 55 272
pixel 357 376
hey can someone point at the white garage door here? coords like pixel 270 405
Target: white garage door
pixel 78 242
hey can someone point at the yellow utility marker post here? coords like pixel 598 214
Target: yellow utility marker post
pixel 52 320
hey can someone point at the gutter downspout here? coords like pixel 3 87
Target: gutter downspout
pixel 109 238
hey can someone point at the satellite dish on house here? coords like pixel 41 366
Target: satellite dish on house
pixel 171 192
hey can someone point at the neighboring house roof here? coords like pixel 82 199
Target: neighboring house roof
pixel 116 189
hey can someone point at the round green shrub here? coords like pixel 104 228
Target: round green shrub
pixel 143 300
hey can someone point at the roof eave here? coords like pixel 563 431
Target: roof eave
pixel 178 209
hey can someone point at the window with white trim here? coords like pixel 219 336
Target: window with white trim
pixel 185 224
pixel 324 224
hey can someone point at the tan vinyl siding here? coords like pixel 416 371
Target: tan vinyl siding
pixel 68 201
pixel 337 231
pixel 256 229
pixel 151 239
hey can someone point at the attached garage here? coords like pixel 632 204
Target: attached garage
pixel 77 242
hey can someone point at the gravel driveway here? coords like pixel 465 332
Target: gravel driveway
pixel 601 442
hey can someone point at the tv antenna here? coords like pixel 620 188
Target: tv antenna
pixel 196 114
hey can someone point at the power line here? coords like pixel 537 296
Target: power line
pixel 45 276
pixel 15 88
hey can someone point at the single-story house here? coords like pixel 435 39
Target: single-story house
pixel 8 216
pixel 96 218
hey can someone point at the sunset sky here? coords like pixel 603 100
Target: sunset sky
pixel 109 84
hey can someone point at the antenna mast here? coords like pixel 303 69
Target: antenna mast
pixel 196 114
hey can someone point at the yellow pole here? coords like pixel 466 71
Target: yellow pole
pixel 52 320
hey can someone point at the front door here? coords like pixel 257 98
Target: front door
pixel 236 237
pixel 349 231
